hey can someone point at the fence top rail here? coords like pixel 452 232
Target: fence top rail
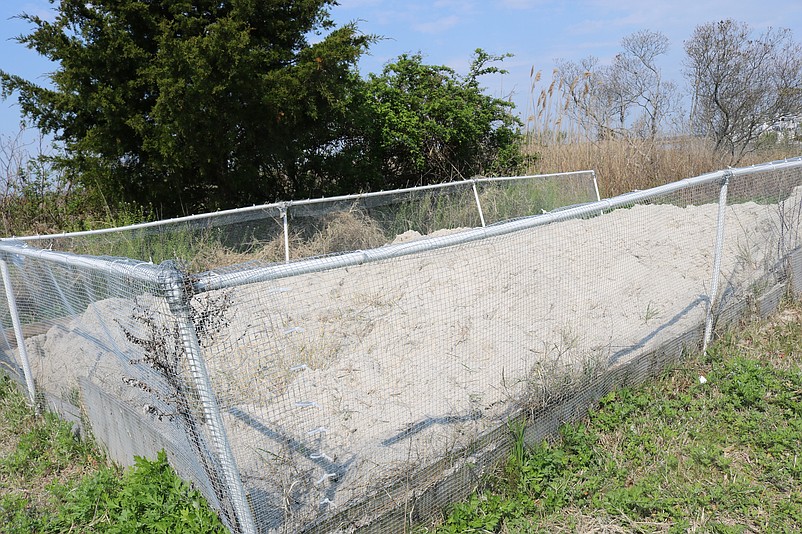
pixel 213 280
pixel 286 204
pixel 430 187
pixel 141 271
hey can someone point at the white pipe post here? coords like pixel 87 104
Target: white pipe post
pixel 175 286
pixel 719 248
pixel 595 185
pixel 23 352
pixel 478 204
pixel 284 209
pixel 596 189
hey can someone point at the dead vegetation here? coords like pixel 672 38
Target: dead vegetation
pixel 557 140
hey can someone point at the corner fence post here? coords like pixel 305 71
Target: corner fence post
pixel 595 185
pixel 14 312
pixel 719 247
pixel 175 284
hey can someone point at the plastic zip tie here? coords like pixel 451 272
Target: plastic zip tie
pixel 321 456
pixel 325 477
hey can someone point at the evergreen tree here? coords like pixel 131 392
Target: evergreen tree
pixel 192 105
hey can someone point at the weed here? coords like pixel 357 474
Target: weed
pixel 164 351
pixel 652 311
pixel 148 496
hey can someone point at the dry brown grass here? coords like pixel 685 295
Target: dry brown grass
pixel 623 165
pixel 336 232
pixel 557 142
pixel 575 520
pixel 340 232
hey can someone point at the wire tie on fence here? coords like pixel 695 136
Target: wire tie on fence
pixel 326 477
pixel 318 430
pixel 293 329
pixel 297 368
pixel 321 456
pixel 307 404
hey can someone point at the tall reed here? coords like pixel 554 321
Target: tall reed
pixel 558 140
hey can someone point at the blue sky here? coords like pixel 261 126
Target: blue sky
pixel 447 32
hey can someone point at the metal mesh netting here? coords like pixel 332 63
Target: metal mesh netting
pixel 343 385
pixel 374 385
pixel 324 226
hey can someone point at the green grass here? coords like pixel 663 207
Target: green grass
pixel 676 455
pixel 50 481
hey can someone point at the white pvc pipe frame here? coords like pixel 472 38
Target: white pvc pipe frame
pixel 211 280
pixel 18 335
pixel 717 253
pixel 284 207
pixel 287 204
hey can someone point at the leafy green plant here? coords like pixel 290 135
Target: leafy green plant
pixel 52 482
pixel 428 124
pixel 149 497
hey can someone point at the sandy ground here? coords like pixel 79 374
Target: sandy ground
pixel 335 384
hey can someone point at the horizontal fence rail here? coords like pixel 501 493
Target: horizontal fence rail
pixel 213 280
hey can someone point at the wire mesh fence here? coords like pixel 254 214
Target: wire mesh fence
pixel 289 231
pixel 357 363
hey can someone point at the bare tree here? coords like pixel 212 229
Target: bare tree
pixel 629 97
pixel 741 84
pixel 35 197
pixel 589 103
pixel 636 78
